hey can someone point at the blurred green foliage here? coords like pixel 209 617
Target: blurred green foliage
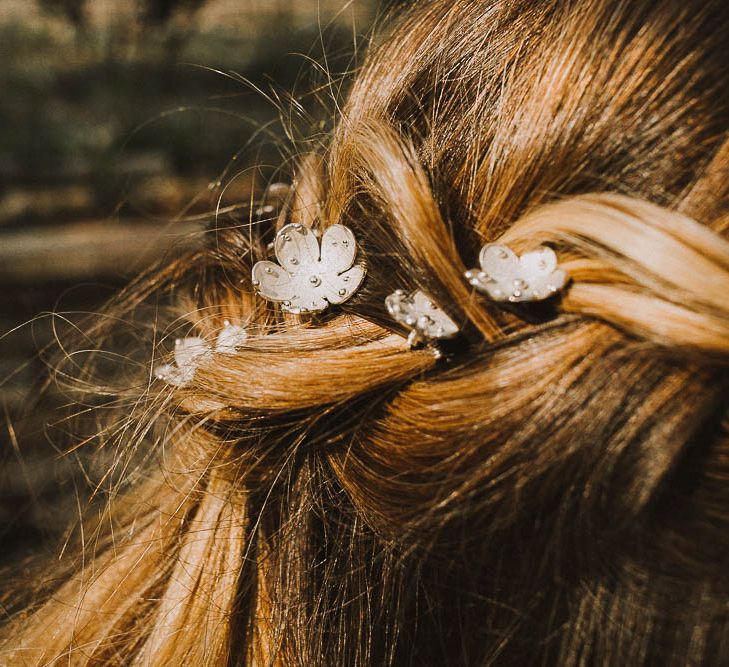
pixel 161 11
pixel 154 91
pixel 72 10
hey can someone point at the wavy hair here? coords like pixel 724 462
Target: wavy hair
pixel 555 490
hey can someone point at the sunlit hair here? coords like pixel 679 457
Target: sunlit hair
pixel 556 490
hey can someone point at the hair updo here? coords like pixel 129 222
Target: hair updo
pixel 553 491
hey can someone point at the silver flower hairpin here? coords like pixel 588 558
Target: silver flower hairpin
pixel 193 351
pixel 310 276
pixel 425 319
pixel 505 276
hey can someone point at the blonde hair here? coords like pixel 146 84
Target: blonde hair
pixel 553 492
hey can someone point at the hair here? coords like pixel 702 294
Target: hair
pixel 555 490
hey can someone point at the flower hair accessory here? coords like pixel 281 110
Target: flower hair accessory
pixel 425 319
pixel 505 276
pixel 310 276
pixel 192 351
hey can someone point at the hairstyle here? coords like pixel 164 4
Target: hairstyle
pixel 555 491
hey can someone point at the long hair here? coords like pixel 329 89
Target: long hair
pixel 554 490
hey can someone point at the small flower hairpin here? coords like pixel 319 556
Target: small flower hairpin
pixel 310 276
pixel 425 319
pixel 505 276
pixel 193 351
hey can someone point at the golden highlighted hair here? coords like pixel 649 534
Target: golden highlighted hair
pixel 557 491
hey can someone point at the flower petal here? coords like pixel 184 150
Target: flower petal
pixel 230 338
pixel 171 375
pixel 307 300
pixel 439 325
pixel 337 288
pixel 338 249
pixel 297 249
pixel 544 285
pixel 272 282
pixel 542 261
pixel 499 262
pixel 190 352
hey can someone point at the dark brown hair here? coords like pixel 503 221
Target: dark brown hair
pixel 555 490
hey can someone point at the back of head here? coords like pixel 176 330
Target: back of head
pixel 551 491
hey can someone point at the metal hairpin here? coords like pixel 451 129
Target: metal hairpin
pixel 193 351
pixel 506 276
pixel 313 273
pixel 419 313
pixel 310 274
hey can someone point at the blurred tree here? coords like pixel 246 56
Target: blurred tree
pixel 172 21
pixel 73 11
pixel 160 12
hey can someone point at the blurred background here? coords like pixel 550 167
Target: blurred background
pixel 123 123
